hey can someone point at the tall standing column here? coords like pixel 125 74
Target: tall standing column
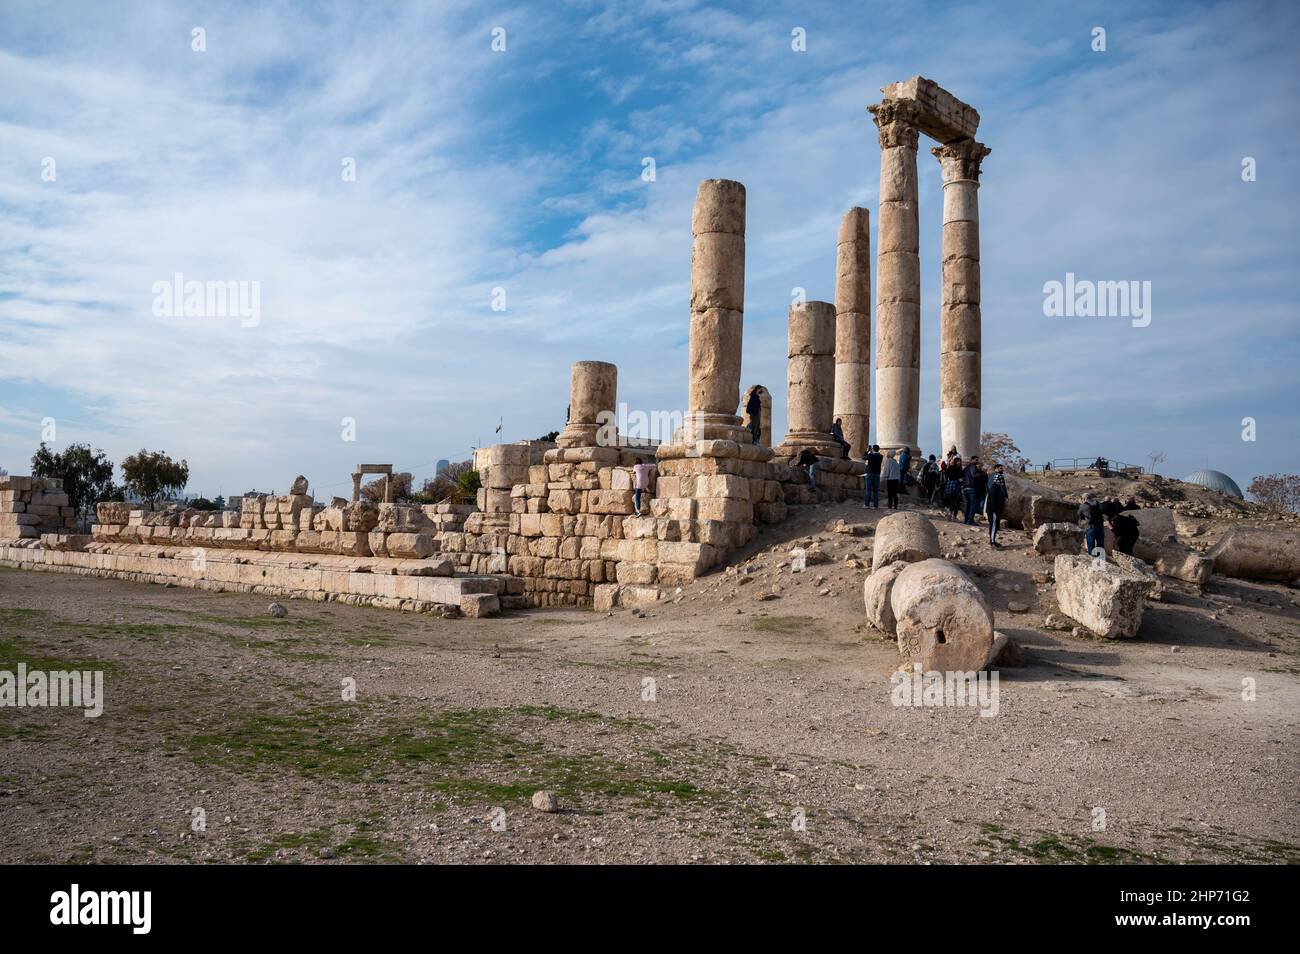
pixel 717 311
pixel 593 390
pixel 853 329
pixel 959 309
pixel 898 278
pixel 811 380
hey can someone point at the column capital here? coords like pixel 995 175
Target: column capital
pixel 961 159
pixel 898 122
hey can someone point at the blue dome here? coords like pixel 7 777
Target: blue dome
pixel 1216 480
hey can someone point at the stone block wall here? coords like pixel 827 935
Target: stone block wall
pixel 31 506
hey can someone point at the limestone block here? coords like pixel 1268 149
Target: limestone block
pixel 1043 509
pixel 941 618
pixel 1249 553
pixel 701 556
pixel 1155 588
pixel 1155 523
pixel 1053 539
pixel 353 543
pixel 1171 558
pixel 630 596
pixel 479 605
pixel 724 509
pixel 605 597
pixel 610 501
pixel 876 591
pixel 414 546
pixel 906 536
pixel 639 573
pixel 360 516
pixel 1103 597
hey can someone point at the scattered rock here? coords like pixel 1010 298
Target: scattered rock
pixel 545 801
pixel 277 610
pixel 1103 597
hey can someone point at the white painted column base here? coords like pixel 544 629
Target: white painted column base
pixel 960 426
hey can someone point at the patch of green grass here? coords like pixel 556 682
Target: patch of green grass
pixel 470 755
pixel 12 652
pixel 784 625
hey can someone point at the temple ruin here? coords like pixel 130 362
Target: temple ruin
pixel 554 524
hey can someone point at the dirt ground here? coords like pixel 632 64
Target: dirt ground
pixel 718 727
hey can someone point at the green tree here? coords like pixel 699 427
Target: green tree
pixel 154 476
pixel 87 474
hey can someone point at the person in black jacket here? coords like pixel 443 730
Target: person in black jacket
pixel 874 460
pixel 1093 522
pixel 995 500
pixel 754 408
pixel 809 462
pixel 837 432
pixel 1126 530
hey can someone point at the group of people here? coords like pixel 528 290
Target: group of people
pixel 951 483
pixel 1095 513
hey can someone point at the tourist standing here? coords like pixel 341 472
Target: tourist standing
pixel 892 473
pixel 930 474
pixel 952 487
pixel 1093 522
pixel 970 479
pixel 994 501
pixel 874 463
pixel 1126 530
pixel 754 408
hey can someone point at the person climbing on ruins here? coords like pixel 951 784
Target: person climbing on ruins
pixel 810 462
pixel 1093 522
pixel 995 502
pixel 1126 530
pixel 754 408
pixel 952 487
pixel 837 432
pixel 874 462
pixel 891 476
pixel 642 474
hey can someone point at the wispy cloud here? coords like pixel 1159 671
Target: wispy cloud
pixel 522 171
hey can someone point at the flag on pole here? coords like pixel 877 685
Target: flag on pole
pixel 500 421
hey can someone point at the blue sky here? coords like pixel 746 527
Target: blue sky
pixel 522 170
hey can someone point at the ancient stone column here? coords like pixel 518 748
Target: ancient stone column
pixel 898 278
pixel 356 487
pixel 853 329
pixel 811 380
pixel 717 311
pixel 959 306
pixel 593 390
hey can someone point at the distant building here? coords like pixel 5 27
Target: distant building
pixel 442 467
pixel 1216 480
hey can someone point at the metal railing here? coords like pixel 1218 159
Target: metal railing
pixel 1073 464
